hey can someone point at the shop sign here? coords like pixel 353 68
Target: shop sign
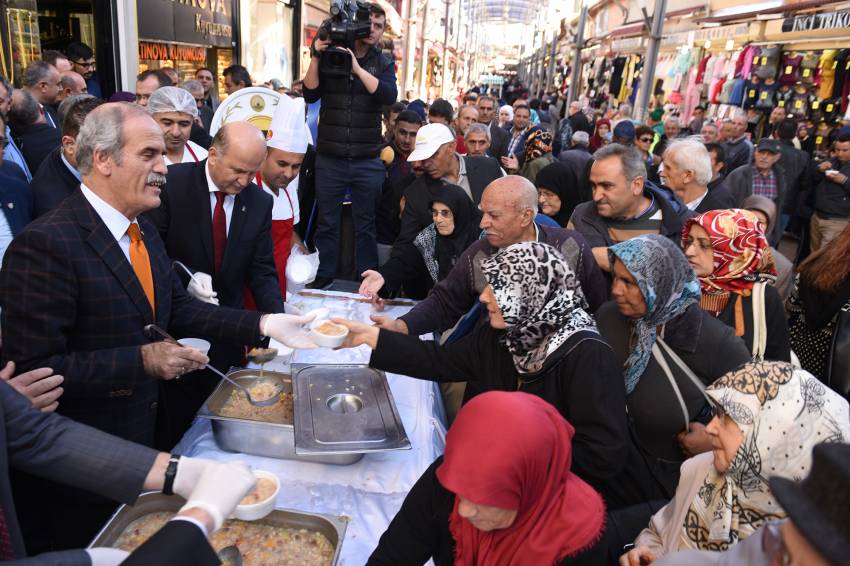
pixel 202 22
pixel 149 50
pixel 833 20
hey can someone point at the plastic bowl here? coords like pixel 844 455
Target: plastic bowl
pixel 327 340
pixel 259 510
pixel 197 343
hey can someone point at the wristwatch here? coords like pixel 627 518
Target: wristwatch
pixel 170 472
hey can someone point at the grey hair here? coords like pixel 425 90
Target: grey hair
pixel 36 72
pixel 581 138
pixel 24 111
pixel 68 102
pixel 477 128
pixel 690 154
pixel 630 158
pixel 103 130
pixel 626 109
pixel 193 85
pixel 527 197
pixel 673 120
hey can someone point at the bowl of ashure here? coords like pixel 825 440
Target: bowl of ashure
pixel 328 334
pixel 260 502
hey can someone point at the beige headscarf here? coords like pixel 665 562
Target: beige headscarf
pixel 783 412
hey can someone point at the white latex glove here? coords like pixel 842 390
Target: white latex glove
pixel 288 329
pixel 102 556
pixel 189 471
pixel 288 308
pixel 372 283
pixel 220 488
pixel 200 287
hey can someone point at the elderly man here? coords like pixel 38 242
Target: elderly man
pixel 148 82
pixel 710 133
pixel 508 208
pixel 205 113
pixel 672 129
pixel 739 149
pixel 71 84
pixel 687 168
pixel 12 153
pixel 205 76
pixel 477 140
pixel 79 285
pixel 435 154
pixel 764 177
pixel 466 116
pixel 624 205
pixel 29 123
pixel 578 119
pixel 218 223
pixel 175 110
pixel 499 138
pixel 58 176
pixel 43 82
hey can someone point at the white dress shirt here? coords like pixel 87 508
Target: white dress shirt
pixel 200 153
pixel 696 202
pixel 115 221
pixel 285 208
pixel 70 167
pixel 228 200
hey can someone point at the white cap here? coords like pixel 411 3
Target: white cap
pixel 288 129
pixel 429 139
pixel 172 99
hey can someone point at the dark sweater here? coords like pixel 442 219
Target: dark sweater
pixel 452 297
pixel 778 346
pixel 594 403
pixel 420 530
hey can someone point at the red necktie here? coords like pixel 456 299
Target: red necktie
pixel 6 551
pixel 219 229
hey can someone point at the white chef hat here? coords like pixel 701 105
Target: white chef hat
pixel 288 130
pixel 172 99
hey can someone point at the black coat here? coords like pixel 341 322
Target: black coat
pixel 420 530
pixel 52 183
pixel 718 198
pixel 37 142
pixel 593 403
pixel 778 346
pixel 499 141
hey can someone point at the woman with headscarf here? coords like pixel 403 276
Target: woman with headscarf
pixel 540 339
pixel 559 192
pixel 602 134
pixel 654 323
pixel 506 117
pixel 512 502
pixel 731 256
pixel 765 210
pixel 768 416
pixel 538 153
pixel 434 251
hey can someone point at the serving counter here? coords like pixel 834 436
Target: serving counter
pixel 370 491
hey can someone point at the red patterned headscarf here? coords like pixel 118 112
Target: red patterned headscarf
pixel 513 451
pixel 742 255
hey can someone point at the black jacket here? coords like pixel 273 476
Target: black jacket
pixel 499 141
pixel 778 346
pixel 480 171
pixel 831 199
pixel 718 198
pixel 51 183
pixel 740 183
pixel 350 118
pixel 37 142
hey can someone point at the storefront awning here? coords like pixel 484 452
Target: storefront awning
pixel 750 11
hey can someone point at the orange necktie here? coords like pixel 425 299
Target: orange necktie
pixel 141 262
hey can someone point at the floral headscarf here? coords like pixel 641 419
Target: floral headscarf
pixel 783 412
pixel 668 286
pixel 742 254
pixel 538 142
pixel 540 299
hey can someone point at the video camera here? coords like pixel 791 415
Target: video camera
pixel 349 21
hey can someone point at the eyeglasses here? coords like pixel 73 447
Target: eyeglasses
pixel 85 64
pixel 646 140
pixel 701 243
pixel 444 213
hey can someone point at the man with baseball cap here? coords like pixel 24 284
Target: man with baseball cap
pixel 175 110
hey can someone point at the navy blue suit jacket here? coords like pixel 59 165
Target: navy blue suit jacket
pixel 15 196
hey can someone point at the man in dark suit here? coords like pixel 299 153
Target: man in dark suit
pixel 499 137
pixel 34 136
pixel 44 82
pixel 79 285
pixel 688 171
pixel 58 449
pixel 58 177
pixel 197 200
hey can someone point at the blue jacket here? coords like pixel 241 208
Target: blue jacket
pixel 15 197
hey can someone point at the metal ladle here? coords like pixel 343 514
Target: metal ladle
pixel 230 556
pixel 274 398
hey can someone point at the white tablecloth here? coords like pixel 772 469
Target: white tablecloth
pixel 370 491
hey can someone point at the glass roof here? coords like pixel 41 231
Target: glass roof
pixel 505 11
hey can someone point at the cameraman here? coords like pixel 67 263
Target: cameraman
pixel 349 143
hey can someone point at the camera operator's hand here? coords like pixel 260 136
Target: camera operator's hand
pixel 356 69
pixel 319 45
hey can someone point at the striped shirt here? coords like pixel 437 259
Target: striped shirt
pixel 648 222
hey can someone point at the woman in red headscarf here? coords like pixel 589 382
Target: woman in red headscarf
pixel 731 256
pixel 502 495
pixel 602 135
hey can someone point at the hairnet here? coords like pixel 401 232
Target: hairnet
pixel 172 99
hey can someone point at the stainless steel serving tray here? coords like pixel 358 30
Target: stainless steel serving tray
pixel 343 409
pixel 260 438
pixel 333 528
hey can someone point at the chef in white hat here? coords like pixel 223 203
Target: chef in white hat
pixel 175 110
pixel 286 144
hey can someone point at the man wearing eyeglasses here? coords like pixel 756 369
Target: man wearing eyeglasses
pixel 82 58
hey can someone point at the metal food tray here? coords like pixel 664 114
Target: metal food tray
pixel 331 527
pixel 345 408
pixel 272 440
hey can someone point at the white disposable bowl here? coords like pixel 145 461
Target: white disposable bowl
pixel 197 343
pixel 323 339
pixel 263 508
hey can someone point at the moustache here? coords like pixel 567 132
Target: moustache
pixel 155 179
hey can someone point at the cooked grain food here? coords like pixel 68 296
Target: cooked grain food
pixel 262 491
pixel 260 544
pixel 330 329
pixel 238 406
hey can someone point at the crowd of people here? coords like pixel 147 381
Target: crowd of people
pixel 635 368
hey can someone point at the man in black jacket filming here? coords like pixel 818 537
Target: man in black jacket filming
pixel 349 141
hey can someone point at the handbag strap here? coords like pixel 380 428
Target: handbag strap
pixel 659 357
pixel 759 322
